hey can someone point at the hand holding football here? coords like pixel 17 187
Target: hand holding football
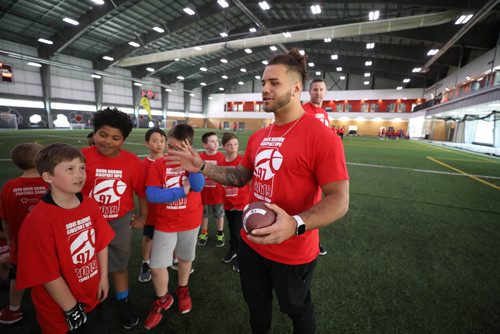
pixel 256 215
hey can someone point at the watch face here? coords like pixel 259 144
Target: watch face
pixel 301 229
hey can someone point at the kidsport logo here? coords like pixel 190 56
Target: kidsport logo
pixel 267 163
pixel 175 182
pixel 83 247
pixel 108 191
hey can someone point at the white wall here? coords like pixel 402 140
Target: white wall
pixel 117 91
pixel 71 85
pixel 474 69
pixel 176 97
pixel 196 101
pixel 27 80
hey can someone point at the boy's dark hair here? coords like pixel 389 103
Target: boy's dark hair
pixel 294 61
pixel 227 136
pixel 91 134
pixel 150 132
pixel 23 155
pixel 204 137
pixel 182 132
pixel 114 118
pixel 52 155
pixel 317 80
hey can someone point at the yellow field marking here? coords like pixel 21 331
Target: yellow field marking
pixel 464 173
pixel 469 160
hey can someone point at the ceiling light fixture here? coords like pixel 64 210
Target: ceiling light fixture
pixel 252 29
pixel 203 83
pixel 223 34
pixel 367 75
pixel 108 58
pixel 406 80
pixel 370 45
pixel 221 89
pixel 223 3
pixel 96 76
pixel 189 11
pixel 243 70
pixel 318 73
pixel 273 48
pixel 45 41
pixel 287 34
pixel 197 48
pixel 138 84
pixel 241 83
pixel 247 50
pixel 180 77
pixel 71 21
pixel 264 5
pixel 327 40
pixel 335 57
pixel 463 19
pixel 316 9
pixel 265 62
pixel 399 88
pixel 34 64
pixel 158 29
pixel 311 64
pixel 98 2
pixel 168 90
pixel 258 77
pixel 432 52
pixel 225 77
pixel 203 69
pixel 416 69
pixel 366 83
pixel 223 60
pixel 134 44
pixel 339 69
pixel 150 69
pixel 368 63
pixel 342 77
pixel 374 15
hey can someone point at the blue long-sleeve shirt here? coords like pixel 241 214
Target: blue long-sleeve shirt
pixel 156 194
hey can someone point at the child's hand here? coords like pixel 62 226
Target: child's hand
pixel 137 222
pixel 103 288
pixel 187 186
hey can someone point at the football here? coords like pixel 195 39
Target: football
pixel 256 215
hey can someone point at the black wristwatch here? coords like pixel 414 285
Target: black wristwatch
pixel 301 226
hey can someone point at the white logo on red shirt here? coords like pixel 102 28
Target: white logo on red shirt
pixel 108 192
pixel 267 163
pixel 81 239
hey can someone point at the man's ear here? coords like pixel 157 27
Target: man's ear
pixel 47 177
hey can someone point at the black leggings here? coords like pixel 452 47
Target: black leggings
pixel 234 219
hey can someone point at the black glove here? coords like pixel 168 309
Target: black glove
pixel 75 317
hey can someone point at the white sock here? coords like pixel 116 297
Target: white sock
pixel 145 261
pixel 14 308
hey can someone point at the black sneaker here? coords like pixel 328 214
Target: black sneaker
pixel 322 250
pixel 127 315
pixel 230 256
pixel 145 275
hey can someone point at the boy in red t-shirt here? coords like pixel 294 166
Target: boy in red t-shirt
pixel 178 216
pixel 113 176
pixel 63 253
pixel 155 141
pixel 17 198
pixel 212 194
pixel 235 199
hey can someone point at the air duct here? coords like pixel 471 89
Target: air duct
pixel 341 31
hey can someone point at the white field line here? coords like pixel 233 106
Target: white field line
pixel 421 170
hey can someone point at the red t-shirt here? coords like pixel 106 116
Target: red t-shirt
pixel 181 215
pixel 147 162
pixel 235 198
pixel 288 171
pixel 317 112
pixel 212 193
pixel 18 197
pixel 56 242
pixel 113 181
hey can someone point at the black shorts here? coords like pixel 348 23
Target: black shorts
pixel 148 231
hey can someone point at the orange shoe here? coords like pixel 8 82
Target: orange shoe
pixel 159 305
pixel 183 299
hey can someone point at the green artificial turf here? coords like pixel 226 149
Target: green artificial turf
pixel 418 251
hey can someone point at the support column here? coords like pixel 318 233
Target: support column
pixel 187 104
pixel 98 92
pixel 46 91
pixel 136 100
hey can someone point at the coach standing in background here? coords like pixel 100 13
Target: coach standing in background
pixel 288 155
pixel 317 92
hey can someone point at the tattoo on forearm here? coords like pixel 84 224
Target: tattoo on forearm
pixel 230 176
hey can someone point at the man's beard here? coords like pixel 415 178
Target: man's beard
pixel 278 104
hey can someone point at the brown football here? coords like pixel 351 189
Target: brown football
pixel 256 215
